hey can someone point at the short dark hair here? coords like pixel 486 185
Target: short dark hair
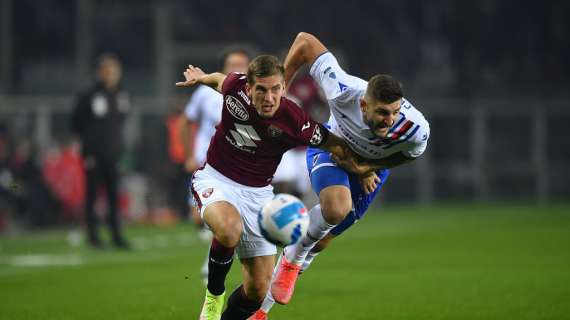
pixel 385 88
pixel 104 57
pixel 264 66
pixel 232 50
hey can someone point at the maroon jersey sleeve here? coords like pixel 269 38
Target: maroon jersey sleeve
pixel 231 81
pixel 307 131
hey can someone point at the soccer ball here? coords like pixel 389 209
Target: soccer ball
pixel 283 220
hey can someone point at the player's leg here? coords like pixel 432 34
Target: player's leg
pixel 360 205
pixel 269 301
pixel 247 298
pixel 91 183
pixel 216 200
pixel 319 247
pixel 111 178
pixel 225 223
pixel 331 183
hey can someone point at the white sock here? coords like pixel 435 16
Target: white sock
pixel 318 228
pixel 268 302
pixel 308 260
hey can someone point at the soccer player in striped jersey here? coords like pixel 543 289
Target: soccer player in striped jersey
pixel 378 123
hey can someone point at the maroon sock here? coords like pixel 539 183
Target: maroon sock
pixel 240 307
pixel 219 265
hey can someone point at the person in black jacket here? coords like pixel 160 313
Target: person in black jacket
pixel 97 121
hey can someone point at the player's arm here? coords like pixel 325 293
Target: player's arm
pixel 195 75
pixel 305 50
pixel 363 167
pixel 394 160
pixel 337 147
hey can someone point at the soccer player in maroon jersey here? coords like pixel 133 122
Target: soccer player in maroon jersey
pixel 258 125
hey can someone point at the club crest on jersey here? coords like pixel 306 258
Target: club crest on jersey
pixel 208 192
pixel 236 109
pixel 274 131
pixel 317 137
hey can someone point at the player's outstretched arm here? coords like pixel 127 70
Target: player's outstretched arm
pixel 363 167
pixel 397 159
pixel 341 152
pixel 305 49
pixel 195 75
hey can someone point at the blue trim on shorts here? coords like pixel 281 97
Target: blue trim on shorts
pixel 324 173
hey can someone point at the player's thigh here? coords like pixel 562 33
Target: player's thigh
pixel 331 184
pixel 336 203
pixel 217 201
pixel 224 221
pixel 257 272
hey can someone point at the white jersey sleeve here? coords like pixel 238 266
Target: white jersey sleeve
pixel 332 78
pixel 418 135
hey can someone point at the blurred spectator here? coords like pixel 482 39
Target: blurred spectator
pixel 64 174
pixel 9 201
pixel 176 175
pixel 24 195
pixel 97 122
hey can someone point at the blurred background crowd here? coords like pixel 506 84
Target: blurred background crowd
pixel 492 77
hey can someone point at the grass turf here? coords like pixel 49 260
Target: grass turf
pixel 447 262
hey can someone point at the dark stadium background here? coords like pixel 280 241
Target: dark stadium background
pixel 491 76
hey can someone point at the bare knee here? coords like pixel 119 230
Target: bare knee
pixel 225 222
pixel 336 203
pixel 229 232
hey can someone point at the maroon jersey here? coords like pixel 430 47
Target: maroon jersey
pixel 247 148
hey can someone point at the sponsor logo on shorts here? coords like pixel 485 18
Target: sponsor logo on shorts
pixel 317 137
pixel 236 109
pixel 207 193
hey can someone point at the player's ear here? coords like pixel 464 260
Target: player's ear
pixel 362 105
pixel 248 89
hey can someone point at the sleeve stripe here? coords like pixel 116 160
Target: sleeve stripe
pixel 408 136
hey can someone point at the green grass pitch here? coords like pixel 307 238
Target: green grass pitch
pixel 446 262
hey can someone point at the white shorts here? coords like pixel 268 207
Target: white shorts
pixel 209 186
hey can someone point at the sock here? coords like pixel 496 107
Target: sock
pixel 240 307
pixel 268 302
pixel 221 259
pixel 318 228
pixel 308 260
pixel 204 268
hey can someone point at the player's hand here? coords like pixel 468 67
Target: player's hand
pixel 190 165
pixel 192 75
pixel 369 182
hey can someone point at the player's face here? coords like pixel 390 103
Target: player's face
pixel 236 62
pixel 266 94
pixel 380 116
pixel 110 73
